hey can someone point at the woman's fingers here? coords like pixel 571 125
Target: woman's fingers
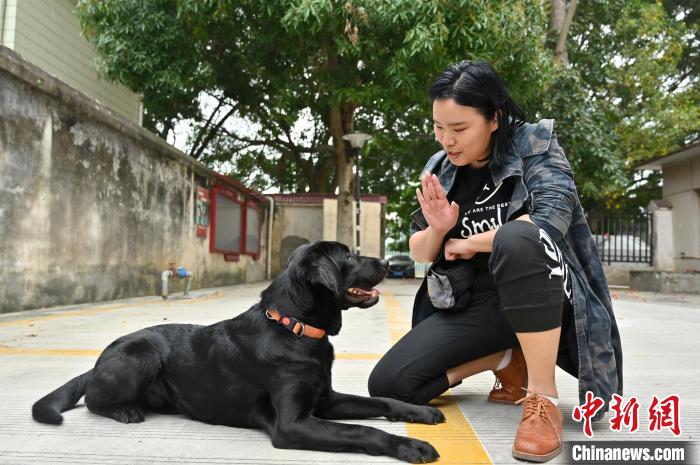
pixel 439 193
pixel 421 199
pixel 425 181
pixel 431 187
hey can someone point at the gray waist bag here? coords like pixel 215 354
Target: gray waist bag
pixel 450 283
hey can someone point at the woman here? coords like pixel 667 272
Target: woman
pixel 500 198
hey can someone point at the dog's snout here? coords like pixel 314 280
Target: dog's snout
pixel 384 264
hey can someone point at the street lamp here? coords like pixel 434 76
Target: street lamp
pixel 357 140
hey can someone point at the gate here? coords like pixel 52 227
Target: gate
pixel 624 238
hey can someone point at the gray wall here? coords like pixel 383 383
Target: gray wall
pixel 682 188
pixel 92 207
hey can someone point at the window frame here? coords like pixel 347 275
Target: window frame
pixel 245 204
pixel 255 254
pixel 234 197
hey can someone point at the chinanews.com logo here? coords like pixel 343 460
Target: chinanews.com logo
pixel 661 414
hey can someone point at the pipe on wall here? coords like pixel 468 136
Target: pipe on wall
pixel 165 275
pixel 270 216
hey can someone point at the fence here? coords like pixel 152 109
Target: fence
pixel 624 238
pixel 619 239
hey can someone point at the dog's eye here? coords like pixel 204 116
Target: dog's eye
pixel 349 257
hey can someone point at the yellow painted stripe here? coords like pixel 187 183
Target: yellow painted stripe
pixel 95 311
pixel 455 440
pixel 49 352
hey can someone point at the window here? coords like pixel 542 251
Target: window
pixel 252 229
pixel 235 224
pixel 225 221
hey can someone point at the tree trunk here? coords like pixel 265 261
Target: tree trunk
pixel 340 124
pixel 560 17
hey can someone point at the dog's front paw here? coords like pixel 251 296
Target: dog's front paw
pixel 417 414
pixel 416 451
pixel 430 416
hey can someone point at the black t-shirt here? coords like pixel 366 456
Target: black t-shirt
pixel 483 206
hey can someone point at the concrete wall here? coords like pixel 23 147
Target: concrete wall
pixel 303 222
pixel 682 189
pixel 667 283
pixel 295 225
pixel 371 226
pixel 92 207
pixel 47 34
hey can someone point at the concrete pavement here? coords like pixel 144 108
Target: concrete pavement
pixel 40 350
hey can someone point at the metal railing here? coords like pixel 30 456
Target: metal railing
pixel 624 238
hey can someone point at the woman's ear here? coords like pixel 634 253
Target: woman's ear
pixel 496 118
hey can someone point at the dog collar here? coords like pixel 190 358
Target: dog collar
pixel 297 328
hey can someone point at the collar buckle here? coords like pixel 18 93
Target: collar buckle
pixel 292 324
pixel 297 327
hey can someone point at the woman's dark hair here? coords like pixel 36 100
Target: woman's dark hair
pixel 476 84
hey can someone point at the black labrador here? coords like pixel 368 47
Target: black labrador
pixel 268 368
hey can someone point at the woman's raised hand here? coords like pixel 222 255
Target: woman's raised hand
pixel 440 214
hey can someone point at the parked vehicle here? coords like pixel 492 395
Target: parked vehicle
pixel 621 247
pixel 401 266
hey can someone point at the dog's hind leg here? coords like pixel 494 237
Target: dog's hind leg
pixel 117 388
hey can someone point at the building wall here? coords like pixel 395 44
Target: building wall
pixel 371 230
pixel 371 226
pixel 93 207
pixel 682 188
pixel 47 34
pixel 302 220
pixel 301 223
pixel 294 225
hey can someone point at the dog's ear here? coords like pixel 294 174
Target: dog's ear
pixel 325 273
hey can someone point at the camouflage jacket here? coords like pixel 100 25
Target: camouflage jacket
pixel 547 188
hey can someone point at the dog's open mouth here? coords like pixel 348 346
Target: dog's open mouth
pixel 357 295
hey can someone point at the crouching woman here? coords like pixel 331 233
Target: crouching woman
pixel 498 205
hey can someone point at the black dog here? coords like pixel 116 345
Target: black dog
pixel 269 368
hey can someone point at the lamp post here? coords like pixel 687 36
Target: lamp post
pixel 357 140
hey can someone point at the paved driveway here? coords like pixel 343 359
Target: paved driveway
pixel 41 350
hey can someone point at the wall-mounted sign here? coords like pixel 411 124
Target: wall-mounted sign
pixel 201 212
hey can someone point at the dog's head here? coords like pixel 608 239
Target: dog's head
pixel 332 268
pixel 323 278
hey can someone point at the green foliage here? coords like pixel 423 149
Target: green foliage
pixel 626 63
pixel 274 71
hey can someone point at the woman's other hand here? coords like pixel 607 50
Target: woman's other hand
pixel 439 213
pixel 458 249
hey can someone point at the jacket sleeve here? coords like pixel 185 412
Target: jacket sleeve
pixel 550 183
pixel 418 222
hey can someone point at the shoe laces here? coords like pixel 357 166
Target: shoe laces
pixel 497 385
pixel 538 406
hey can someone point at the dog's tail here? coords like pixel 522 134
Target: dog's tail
pixel 48 409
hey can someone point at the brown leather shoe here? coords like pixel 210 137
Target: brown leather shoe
pixel 511 381
pixel 539 435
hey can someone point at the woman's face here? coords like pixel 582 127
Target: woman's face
pixel 463 132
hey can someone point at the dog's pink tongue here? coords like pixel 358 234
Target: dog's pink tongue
pixel 375 292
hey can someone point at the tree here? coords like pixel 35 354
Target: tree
pixel 335 66
pixel 625 97
pixel 296 75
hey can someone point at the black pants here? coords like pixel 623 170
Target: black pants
pixel 529 297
